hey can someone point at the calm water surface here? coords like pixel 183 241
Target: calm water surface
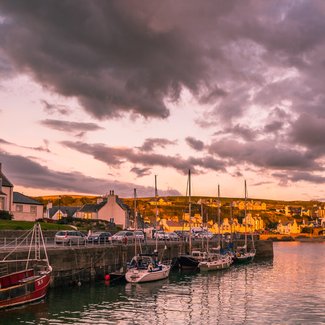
pixel 290 289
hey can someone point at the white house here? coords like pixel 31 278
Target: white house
pixel 109 208
pixel 6 192
pixel 26 208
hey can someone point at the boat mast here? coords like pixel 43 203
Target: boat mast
pixel 245 217
pixel 156 198
pixel 190 209
pixel 135 219
pixel 219 240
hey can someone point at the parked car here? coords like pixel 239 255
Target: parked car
pixel 172 236
pixel 124 236
pixel 182 234
pixel 160 235
pixel 203 234
pixel 70 237
pixel 99 237
pixel 139 235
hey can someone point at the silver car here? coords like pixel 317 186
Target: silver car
pixel 123 236
pixel 139 235
pixel 70 237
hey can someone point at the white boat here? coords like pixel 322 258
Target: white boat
pixel 213 263
pixel 214 260
pixel 242 255
pixel 146 268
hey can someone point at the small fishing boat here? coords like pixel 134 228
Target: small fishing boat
pixel 146 268
pixel 32 281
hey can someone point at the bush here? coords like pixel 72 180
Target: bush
pixel 5 215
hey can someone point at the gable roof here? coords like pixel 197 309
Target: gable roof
pixel 69 211
pixel 5 180
pixel 92 207
pixel 122 204
pixel 23 199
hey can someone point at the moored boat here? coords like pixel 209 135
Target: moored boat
pixel 214 263
pixel 32 282
pixel 242 255
pixel 191 260
pixel 145 268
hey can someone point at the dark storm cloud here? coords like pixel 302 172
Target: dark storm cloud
pixel 116 156
pixel 309 131
pixel 150 144
pixel 53 108
pixel 112 56
pixel 195 144
pixel 243 132
pixel 263 154
pixel 25 172
pixel 70 127
pixel 140 172
pixel 294 177
pixel 129 56
pixel 240 59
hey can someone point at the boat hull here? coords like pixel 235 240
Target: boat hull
pixel 214 265
pixel 244 258
pixel 25 292
pixel 135 275
pixel 188 262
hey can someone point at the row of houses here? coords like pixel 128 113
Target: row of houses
pixel 22 207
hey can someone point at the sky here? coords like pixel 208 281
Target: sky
pixel 104 95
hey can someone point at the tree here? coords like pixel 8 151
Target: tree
pixel 5 215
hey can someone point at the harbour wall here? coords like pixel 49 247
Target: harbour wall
pixel 75 265
pixel 78 264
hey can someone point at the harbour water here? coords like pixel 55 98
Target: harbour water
pixel 289 289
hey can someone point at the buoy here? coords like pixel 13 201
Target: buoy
pixel 107 277
pixel 79 283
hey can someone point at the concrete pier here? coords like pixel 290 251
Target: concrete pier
pixel 78 264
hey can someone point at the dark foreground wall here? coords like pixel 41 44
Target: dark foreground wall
pixel 72 265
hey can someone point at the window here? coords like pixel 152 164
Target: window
pixel 19 207
pixel 2 203
pixel 33 209
pixel 111 220
pixel 87 215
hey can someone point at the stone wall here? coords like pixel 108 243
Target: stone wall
pixel 74 264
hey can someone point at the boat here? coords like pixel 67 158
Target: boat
pixel 214 259
pixel 242 255
pixel 146 267
pixel 214 263
pixel 192 258
pixel 31 283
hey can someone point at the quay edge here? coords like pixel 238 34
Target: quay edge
pixel 79 264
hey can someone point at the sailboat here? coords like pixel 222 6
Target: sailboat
pixel 242 254
pixel 216 261
pixel 31 282
pixel 191 259
pixel 146 267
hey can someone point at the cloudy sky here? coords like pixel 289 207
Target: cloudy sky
pixel 103 95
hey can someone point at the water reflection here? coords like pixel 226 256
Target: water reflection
pixel 247 294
